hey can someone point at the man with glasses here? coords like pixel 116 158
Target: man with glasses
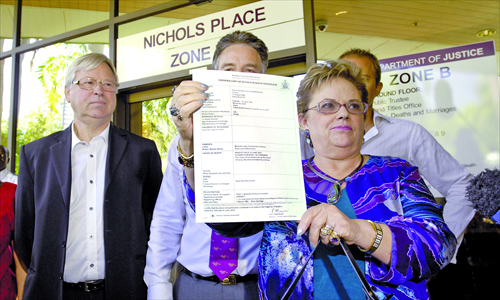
pixel 85 197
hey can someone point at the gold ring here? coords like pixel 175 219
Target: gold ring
pixel 328 231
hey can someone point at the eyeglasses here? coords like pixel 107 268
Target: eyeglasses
pixel 91 83
pixel 329 106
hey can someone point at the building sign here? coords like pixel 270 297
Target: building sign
pixel 191 44
pixel 454 94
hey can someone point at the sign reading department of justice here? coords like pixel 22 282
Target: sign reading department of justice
pixel 191 44
pixel 451 92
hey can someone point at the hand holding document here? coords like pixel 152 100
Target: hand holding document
pixel 246 143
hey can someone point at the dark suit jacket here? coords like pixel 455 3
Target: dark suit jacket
pixel 133 178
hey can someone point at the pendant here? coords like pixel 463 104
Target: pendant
pixel 334 194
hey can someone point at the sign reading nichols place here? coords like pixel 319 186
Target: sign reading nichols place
pixel 191 44
pixel 454 94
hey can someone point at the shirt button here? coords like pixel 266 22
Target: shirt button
pixel 91 236
pixel 91 155
pixel 91 181
pixel 91 265
pixel 91 208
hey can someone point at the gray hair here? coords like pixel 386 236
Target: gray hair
pixel 87 62
pixel 245 38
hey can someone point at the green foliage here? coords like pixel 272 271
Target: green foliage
pixel 157 124
pixel 37 124
pixel 5 132
pixel 51 74
pixel 33 126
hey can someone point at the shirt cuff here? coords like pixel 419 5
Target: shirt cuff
pixel 160 291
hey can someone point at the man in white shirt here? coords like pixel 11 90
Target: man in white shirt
pixel 85 197
pixel 175 235
pixel 5 175
pixel 408 140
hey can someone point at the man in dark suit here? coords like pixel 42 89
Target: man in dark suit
pixel 85 197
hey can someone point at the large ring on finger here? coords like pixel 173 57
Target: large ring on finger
pixel 179 117
pixel 328 231
pixel 174 111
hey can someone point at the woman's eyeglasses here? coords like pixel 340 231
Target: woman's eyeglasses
pixel 329 106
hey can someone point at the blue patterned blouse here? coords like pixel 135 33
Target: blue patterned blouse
pixel 386 190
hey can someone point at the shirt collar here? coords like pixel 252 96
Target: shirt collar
pixel 75 140
pixel 378 117
pixel 3 174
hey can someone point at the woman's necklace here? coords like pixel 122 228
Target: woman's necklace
pixel 335 191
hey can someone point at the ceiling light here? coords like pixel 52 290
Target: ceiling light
pixel 341 12
pixel 486 32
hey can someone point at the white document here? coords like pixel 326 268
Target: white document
pixel 247 152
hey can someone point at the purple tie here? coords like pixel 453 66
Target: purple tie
pixel 223 250
pixel 223 255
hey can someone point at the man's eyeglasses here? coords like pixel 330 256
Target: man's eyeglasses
pixel 91 83
pixel 329 106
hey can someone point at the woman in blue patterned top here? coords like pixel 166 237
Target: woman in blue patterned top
pixel 380 206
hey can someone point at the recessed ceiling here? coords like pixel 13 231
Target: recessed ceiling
pixel 444 22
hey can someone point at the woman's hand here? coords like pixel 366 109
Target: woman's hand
pixel 353 231
pixel 320 215
pixel 188 97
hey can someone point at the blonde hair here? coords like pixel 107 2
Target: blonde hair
pixel 325 72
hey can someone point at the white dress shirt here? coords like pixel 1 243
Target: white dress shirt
pixel 6 176
pixel 175 235
pixel 85 244
pixel 412 142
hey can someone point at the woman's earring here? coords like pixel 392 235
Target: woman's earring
pixel 308 138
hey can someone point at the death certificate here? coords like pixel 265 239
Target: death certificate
pixel 246 144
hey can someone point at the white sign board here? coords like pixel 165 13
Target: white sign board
pixel 191 44
pixel 454 94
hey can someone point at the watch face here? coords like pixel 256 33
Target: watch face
pixel 180 160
